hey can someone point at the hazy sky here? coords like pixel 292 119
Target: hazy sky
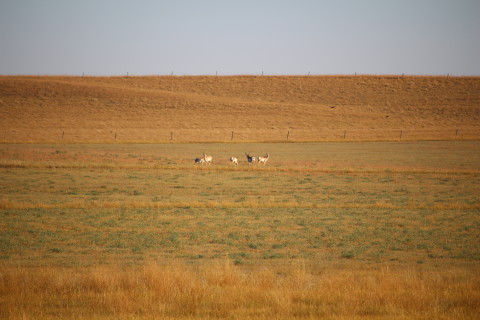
pixel 113 37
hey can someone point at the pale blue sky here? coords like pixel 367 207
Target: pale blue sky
pixel 95 37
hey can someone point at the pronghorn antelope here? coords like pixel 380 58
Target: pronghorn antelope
pixel 207 159
pixel 263 159
pixel 250 159
pixel 234 161
pixel 199 160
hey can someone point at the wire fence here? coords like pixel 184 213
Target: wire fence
pixel 152 135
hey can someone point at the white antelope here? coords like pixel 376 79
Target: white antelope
pixel 263 159
pixel 207 159
pixel 250 159
pixel 199 160
pixel 234 161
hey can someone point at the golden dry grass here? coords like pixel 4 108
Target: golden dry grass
pixel 6 204
pixel 183 167
pixel 254 108
pixel 221 290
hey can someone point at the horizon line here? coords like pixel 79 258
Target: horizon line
pixel 243 75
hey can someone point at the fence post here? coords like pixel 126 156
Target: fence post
pixel 456 132
pixel 401 133
pixel 115 135
pixel 288 134
pixel 63 133
pixel 344 134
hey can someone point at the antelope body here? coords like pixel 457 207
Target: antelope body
pixel 234 161
pixel 250 159
pixel 199 160
pixel 263 159
pixel 207 159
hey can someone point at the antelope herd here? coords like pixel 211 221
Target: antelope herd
pixel 207 160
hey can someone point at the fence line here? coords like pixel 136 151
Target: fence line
pixel 235 135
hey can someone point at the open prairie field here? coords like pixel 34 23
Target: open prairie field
pixel 238 108
pixel 372 212
pixel 331 230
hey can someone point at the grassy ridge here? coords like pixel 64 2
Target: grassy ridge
pixel 238 108
pixel 428 156
pixel 272 169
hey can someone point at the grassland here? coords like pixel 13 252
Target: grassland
pixel 372 213
pixel 385 230
pixel 238 108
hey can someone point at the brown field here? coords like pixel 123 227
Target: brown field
pixel 253 108
pixel 363 218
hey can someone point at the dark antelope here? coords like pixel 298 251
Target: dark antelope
pixel 250 159
pixel 199 160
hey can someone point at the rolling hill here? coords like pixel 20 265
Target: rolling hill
pixel 238 108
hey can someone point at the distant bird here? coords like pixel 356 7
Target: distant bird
pixel 387 116
pixel 332 107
